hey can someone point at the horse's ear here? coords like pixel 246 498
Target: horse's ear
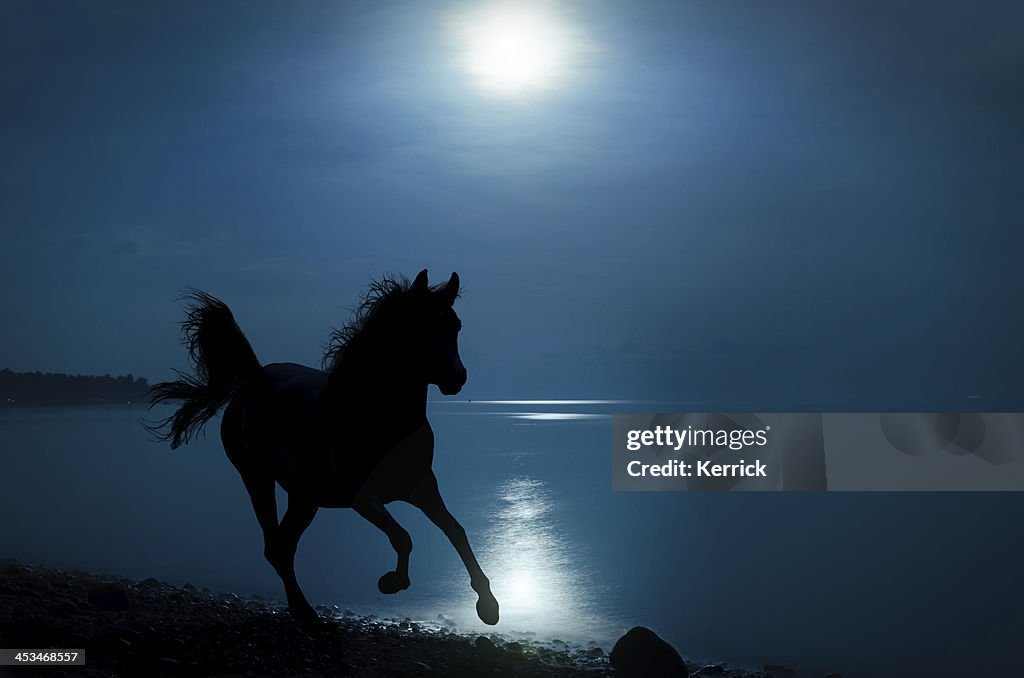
pixel 451 290
pixel 419 285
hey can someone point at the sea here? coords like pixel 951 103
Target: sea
pixel 859 583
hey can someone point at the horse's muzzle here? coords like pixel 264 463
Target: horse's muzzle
pixel 452 387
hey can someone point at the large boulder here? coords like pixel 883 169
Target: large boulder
pixel 640 653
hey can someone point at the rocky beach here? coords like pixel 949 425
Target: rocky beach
pixel 151 628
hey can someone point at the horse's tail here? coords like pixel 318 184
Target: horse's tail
pixel 222 359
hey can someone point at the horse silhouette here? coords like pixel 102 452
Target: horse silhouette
pixel 352 435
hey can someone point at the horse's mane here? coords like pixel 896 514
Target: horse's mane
pixel 378 294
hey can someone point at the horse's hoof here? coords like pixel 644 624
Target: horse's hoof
pixel 392 583
pixel 487 609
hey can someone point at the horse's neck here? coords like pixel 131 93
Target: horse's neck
pixel 366 383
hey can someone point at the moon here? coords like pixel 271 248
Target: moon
pixel 515 49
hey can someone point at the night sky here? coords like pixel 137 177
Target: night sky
pixel 777 202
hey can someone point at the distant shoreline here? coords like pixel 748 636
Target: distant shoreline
pixel 55 405
pixel 35 389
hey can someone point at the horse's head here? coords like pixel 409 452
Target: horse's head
pixel 434 333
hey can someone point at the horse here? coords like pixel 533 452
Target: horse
pixel 353 434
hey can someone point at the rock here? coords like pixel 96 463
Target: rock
pixel 109 596
pixel 485 644
pixel 514 647
pixel 711 670
pixel 640 653
pixel 775 671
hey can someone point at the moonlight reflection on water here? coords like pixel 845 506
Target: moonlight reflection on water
pixel 534 571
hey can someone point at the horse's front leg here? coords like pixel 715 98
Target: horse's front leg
pixel 428 499
pixel 370 507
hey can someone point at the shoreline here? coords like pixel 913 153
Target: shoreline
pixel 149 627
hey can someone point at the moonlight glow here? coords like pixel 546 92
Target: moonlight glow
pixel 525 591
pixel 515 49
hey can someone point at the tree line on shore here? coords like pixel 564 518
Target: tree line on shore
pixel 41 388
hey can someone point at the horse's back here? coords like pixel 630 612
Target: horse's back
pixel 280 391
pixel 293 381
pixel 276 425
pixel 276 411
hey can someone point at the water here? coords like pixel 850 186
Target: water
pixel 863 583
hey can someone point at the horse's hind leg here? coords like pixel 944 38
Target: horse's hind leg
pixel 264 504
pixel 281 553
pixel 280 540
